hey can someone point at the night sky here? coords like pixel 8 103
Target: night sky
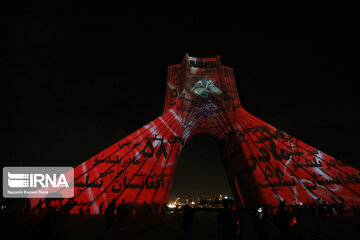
pixel 81 76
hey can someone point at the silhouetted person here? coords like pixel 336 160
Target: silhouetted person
pixel 27 207
pixel 81 210
pixel 313 210
pixel 339 208
pixel 64 215
pixel 300 212
pixel 228 221
pixel 188 218
pixel 329 210
pixel 320 209
pixel 42 224
pixel 282 219
pixel 101 208
pixel 66 208
pixel 37 207
pixel 122 212
pixel 261 218
pixel 109 212
pixel 295 232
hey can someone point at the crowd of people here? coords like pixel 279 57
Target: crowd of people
pixel 48 221
pixel 288 218
pixel 44 219
pixel 121 213
pixel 318 209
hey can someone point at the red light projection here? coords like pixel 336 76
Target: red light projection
pixel 263 164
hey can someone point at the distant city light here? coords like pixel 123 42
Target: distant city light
pixel 226 197
pixel 170 205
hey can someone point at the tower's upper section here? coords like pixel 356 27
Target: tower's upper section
pixel 197 77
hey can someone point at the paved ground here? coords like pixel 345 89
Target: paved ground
pixel 169 227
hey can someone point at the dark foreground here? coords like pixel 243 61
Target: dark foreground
pixel 89 227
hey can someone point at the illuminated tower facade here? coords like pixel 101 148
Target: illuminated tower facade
pixel 262 163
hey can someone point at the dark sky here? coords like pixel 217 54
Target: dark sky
pixel 81 76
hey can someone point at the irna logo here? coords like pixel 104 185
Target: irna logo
pixel 23 180
pixel 38 182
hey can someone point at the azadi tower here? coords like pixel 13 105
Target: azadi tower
pixel 262 163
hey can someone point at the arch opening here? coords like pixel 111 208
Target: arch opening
pixel 200 173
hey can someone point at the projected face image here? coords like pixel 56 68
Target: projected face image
pixel 205 87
